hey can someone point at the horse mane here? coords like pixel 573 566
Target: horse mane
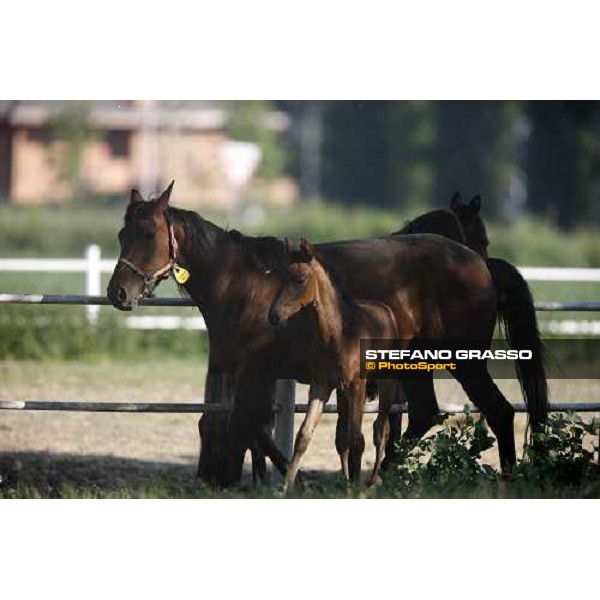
pixel 266 253
pixel 199 232
pixel 441 221
pixel 269 253
pixel 345 296
pixel 345 299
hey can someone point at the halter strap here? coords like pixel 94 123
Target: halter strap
pixel 314 303
pixel 150 279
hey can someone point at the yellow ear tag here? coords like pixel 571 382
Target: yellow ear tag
pixel 181 275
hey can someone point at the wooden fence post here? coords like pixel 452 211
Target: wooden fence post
pixel 93 280
pixel 284 405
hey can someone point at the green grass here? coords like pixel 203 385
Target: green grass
pixel 167 487
pixel 42 480
pixel 65 231
pixel 531 242
pixel 57 231
pixel 62 332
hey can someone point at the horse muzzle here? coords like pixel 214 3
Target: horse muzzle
pixel 276 320
pixel 121 297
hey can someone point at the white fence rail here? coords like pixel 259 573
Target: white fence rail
pixel 560 274
pixel 93 267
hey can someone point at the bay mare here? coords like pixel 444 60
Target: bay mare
pixel 437 289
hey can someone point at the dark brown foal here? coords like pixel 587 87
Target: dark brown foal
pixel 335 325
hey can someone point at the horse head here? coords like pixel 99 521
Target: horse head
pixel 300 286
pixel 473 227
pixel 148 250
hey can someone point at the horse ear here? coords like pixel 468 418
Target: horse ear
pixel 475 205
pixel 456 201
pixel 307 250
pixel 163 199
pixel 135 197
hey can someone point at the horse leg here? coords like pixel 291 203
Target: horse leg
pixel 213 428
pixel 422 407
pixel 341 433
pixel 240 439
pixel 381 426
pixel 259 464
pixel 263 432
pixel 269 447
pixel 251 413
pixel 356 439
pixel 317 396
pixel 395 425
pixel 499 413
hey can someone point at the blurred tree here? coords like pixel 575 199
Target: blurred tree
pixel 563 153
pixel 410 135
pixel 72 127
pixel 7 108
pixel 249 122
pixel 473 150
pixel 416 154
pixel 355 161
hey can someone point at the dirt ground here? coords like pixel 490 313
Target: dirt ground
pixel 135 441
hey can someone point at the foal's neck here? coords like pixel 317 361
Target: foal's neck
pixel 333 311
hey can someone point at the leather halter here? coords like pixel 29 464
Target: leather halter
pixel 151 279
pixel 314 303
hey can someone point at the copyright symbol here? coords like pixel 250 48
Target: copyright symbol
pixel 370 366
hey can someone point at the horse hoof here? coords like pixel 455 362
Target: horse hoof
pixel 375 481
pixel 296 483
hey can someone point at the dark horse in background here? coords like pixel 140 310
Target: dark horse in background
pixel 462 223
pixel 437 288
pixel 516 310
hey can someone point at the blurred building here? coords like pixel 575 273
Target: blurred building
pixel 141 144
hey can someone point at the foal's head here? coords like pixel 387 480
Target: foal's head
pixel 473 227
pixel 147 250
pixel 300 287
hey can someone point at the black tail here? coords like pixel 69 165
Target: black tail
pixel 516 312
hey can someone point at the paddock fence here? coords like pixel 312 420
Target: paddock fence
pixel 93 266
pixel 285 406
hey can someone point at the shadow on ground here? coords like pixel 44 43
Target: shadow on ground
pixel 52 471
pixel 48 475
